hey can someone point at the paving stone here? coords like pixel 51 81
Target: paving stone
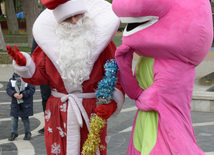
pixel 201 105
pixel 211 106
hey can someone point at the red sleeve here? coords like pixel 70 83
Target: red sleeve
pixel 39 77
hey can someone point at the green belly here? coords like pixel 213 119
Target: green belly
pixel 145 132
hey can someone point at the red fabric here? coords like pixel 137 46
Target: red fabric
pixel 10 51
pixel 106 110
pixel 46 73
pixel 52 4
pixel 16 55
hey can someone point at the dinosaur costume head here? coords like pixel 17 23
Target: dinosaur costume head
pixel 167 29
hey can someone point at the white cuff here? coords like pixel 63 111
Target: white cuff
pixel 119 99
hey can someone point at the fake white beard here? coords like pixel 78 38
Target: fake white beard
pixel 76 41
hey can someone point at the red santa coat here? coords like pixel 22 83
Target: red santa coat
pixel 56 111
pixel 67 113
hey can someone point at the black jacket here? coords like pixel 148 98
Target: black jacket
pixel 25 108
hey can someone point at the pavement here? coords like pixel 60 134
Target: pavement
pixel 119 127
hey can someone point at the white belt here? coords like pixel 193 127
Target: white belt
pixel 74 119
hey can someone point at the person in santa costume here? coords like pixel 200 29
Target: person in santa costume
pixel 74 43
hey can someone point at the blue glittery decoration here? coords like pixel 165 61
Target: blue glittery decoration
pixel 106 86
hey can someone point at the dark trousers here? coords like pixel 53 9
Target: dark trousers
pixel 45 94
pixel 14 124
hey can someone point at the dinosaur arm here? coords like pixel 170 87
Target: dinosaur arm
pixel 124 56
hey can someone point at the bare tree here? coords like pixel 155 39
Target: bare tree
pixel 1 1
pixel 2 42
pixel 12 22
pixel 31 12
pixel 0 10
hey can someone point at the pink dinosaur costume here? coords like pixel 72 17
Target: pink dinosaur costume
pixel 171 37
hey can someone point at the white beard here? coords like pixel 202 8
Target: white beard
pixel 76 42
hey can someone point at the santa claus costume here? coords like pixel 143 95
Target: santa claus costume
pixel 71 60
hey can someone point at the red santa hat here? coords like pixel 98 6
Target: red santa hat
pixel 63 9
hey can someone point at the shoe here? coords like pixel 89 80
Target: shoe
pixel 41 130
pixel 13 136
pixel 27 136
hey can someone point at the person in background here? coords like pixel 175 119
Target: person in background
pixel 44 89
pixel 21 95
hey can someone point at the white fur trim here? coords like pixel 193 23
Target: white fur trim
pixel 106 25
pixel 25 71
pixel 119 99
pixel 73 132
pixel 68 9
pixel 74 118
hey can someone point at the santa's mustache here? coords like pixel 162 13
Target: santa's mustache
pixel 74 51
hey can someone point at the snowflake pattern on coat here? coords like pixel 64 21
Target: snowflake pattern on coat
pixel 47 115
pixel 63 107
pixel 55 148
pixel 61 132
pixel 50 130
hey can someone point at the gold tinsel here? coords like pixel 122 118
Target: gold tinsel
pixel 90 146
